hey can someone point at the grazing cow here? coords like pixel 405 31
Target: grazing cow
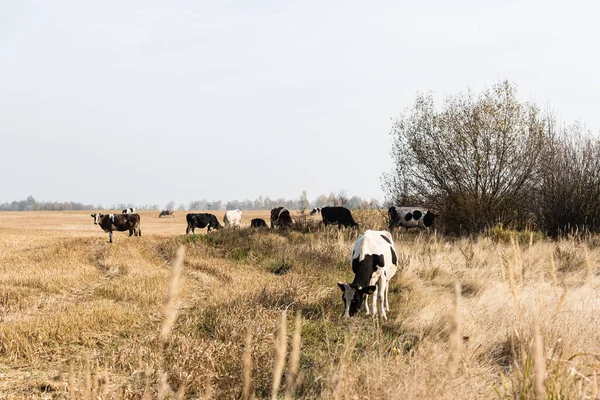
pixel 164 213
pixel 280 217
pixel 338 216
pixel 232 218
pixel 315 210
pixel 258 223
pixel 410 217
pixel 129 210
pixel 119 223
pixel 202 220
pixel 374 263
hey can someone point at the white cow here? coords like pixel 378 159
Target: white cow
pixel 233 218
pixel 374 263
pixel 129 210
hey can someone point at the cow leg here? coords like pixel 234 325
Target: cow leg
pixel 187 230
pixel 375 299
pixel 382 297
pixel 387 304
pixel 131 231
pixel 367 311
pixel 110 237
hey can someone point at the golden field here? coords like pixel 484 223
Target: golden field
pixel 82 318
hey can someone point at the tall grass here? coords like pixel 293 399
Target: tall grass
pixel 470 318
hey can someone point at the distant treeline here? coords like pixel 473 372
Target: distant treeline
pixel 266 203
pixel 260 203
pixel 31 204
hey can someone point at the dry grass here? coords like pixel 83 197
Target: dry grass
pixel 80 318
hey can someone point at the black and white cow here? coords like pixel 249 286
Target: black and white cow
pixel 315 210
pixel 280 217
pixel 374 263
pixel 258 223
pixel 202 220
pixel 410 217
pixel 119 223
pixel 165 213
pixel 129 210
pixel 337 216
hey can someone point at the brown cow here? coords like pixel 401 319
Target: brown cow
pixel 119 223
pixel 281 217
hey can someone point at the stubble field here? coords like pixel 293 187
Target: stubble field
pixel 81 318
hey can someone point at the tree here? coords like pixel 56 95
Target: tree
pixel 303 204
pixel 332 200
pixel 568 198
pixel 170 205
pixel 321 201
pixel 342 198
pixel 476 160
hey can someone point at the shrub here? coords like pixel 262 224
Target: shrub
pixel 475 160
pixel 568 198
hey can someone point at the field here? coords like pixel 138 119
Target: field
pixel 499 316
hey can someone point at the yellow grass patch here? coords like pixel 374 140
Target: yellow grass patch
pixel 80 317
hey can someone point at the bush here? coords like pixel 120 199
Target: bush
pixel 475 160
pixel 568 198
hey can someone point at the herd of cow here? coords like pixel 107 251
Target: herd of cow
pixel 373 258
pixel 128 220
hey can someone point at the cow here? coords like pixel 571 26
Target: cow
pixel 203 220
pixel 164 213
pixel 315 210
pixel 374 262
pixel 280 217
pixel 338 216
pixel 129 210
pixel 232 218
pixel 409 217
pixel 119 223
pixel 258 223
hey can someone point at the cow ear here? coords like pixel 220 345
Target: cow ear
pixel 342 286
pixel 369 290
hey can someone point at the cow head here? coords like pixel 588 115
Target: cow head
pixel 97 218
pixel 429 218
pixel 215 223
pixel 316 210
pixel 353 297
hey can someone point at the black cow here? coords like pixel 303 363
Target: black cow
pixel 164 213
pixel 258 223
pixel 203 220
pixel 280 216
pixel 129 210
pixel 119 223
pixel 409 217
pixel 338 216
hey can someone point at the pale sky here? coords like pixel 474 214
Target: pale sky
pixel 144 102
